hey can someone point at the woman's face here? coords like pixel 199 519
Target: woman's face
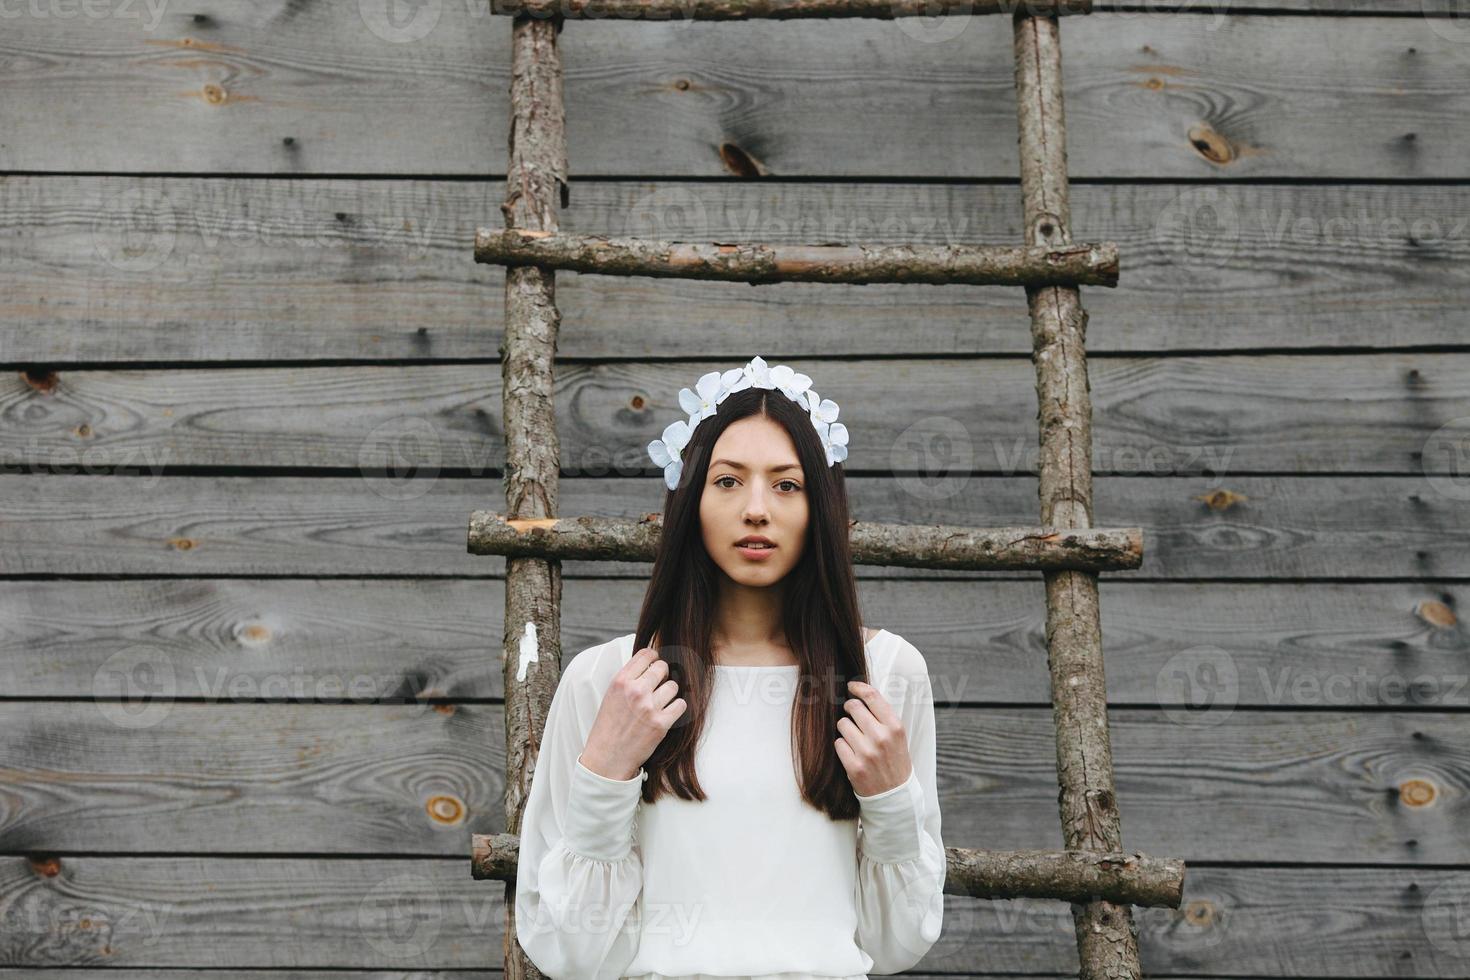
pixel 755 485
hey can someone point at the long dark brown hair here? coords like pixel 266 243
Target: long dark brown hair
pixel 820 613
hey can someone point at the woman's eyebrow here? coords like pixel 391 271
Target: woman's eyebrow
pixel 741 466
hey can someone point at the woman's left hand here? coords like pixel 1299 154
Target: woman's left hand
pixel 874 749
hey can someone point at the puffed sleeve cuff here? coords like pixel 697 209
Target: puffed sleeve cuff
pixel 892 822
pixel 598 823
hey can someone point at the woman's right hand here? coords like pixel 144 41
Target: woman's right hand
pixel 636 713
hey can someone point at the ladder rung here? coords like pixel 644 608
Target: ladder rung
pixel 664 10
pixel 1081 264
pixel 906 545
pixel 1069 876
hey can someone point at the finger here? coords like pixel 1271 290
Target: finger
pixel 845 755
pixel 862 716
pixel 874 699
pixel 665 693
pixel 856 740
pixel 657 671
pixel 639 662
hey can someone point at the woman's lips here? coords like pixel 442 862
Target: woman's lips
pixel 756 554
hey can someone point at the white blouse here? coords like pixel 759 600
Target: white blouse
pixel 752 883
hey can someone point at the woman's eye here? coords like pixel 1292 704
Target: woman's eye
pixel 720 482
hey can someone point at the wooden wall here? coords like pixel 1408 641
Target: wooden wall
pixel 237 283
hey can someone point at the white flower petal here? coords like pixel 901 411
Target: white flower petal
pixel 659 453
pixel 732 381
pixel 671 474
pixel 676 436
pixel 757 373
pixel 688 401
pixel 708 390
pixel 838 434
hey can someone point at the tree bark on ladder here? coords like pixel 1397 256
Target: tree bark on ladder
pixel 535 184
pixel 1107 939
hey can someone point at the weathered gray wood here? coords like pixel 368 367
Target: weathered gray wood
pixel 1247 527
pixel 904 545
pixel 764 263
pixel 1153 94
pixel 1107 939
pixel 288 279
pixel 1137 879
pixel 664 10
pixel 226 777
pixel 82 973
pixel 1154 416
pixel 536 183
pixel 416 914
pixel 1230 644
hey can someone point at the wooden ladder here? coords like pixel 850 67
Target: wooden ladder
pixel 1093 873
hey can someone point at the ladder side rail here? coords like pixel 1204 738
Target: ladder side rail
pixel 1107 937
pixel 536 182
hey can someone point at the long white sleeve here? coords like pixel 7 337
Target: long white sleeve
pixel 579 872
pixel 901 860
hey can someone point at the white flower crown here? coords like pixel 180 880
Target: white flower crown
pixel 715 387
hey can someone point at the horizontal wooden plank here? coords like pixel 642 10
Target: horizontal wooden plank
pixel 83 973
pixel 151 775
pixel 1230 528
pixel 118 269
pixel 1400 413
pixel 380 913
pixel 1215 645
pixel 330 90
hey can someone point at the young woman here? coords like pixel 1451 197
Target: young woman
pixel 744 788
